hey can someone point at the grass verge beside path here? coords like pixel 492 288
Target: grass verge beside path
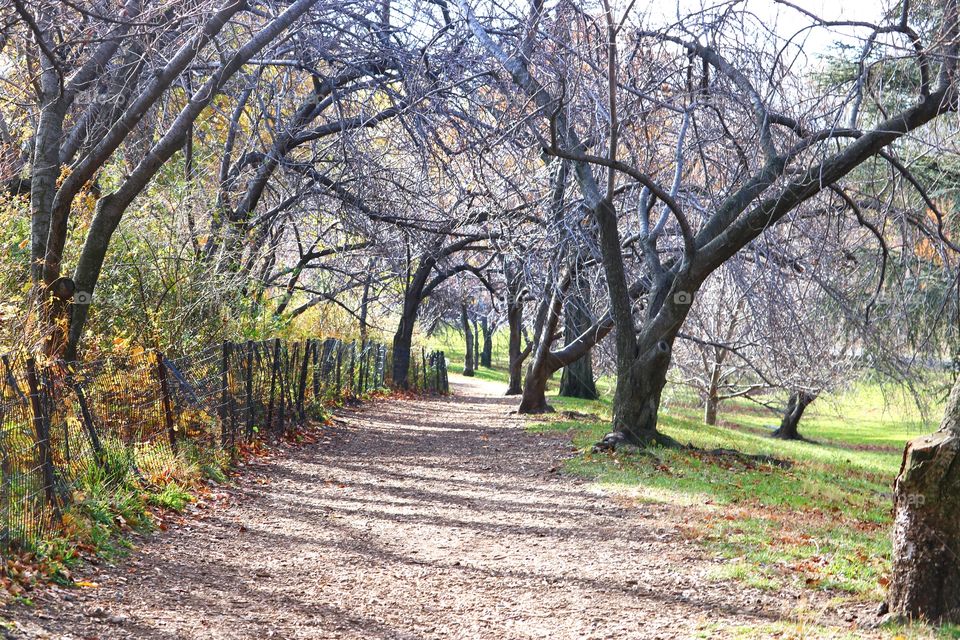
pixel 823 524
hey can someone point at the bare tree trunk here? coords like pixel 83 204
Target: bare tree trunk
pixel 468 368
pixel 926 535
pixel 476 345
pixel 796 405
pixel 642 360
pixel 486 355
pixel 637 400
pixel 515 353
pixel 517 356
pixel 46 167
pixel 577 379
pixel 712 400
pixel 541 367
pixel 403 340
pixel 534 399
pixel 547 361
pixel 710 409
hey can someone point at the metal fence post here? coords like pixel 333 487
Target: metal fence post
pixel 284 374
pixel 248 383
pixel 316 378
pixel 443 367
pixel 274 367
pixel 381 366
pixel 353 361
pixel 225 428
pixel 426 372
pixel 364 367
pixel 302 386
pixel 339 347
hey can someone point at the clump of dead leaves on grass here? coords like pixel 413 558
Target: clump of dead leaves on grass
pixel 795 545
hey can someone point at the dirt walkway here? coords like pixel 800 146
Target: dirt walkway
pixel 417 519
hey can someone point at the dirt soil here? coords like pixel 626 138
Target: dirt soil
pixel 435 518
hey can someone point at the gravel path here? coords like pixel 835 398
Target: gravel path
pixel 436 518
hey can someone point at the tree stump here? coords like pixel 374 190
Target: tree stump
pixel 926 534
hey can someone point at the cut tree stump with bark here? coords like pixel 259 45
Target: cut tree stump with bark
pixel 926 533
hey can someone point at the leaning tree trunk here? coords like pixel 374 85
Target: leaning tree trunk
pixel 926 530
pixel 796 405
pixel 542 366
pixel 577 378
pixel 534 399
pixel 403 339
pixel 468 369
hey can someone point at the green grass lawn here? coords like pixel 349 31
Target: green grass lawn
pixel 451 342
pixel 823 524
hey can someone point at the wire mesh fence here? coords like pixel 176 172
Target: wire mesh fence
pixel 59 421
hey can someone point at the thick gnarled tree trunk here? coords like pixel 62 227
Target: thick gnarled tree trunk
pixel 637 401
pixel 796 405
pixel 926 531
pixel 534 398
pixel 576 381
pixel 402 345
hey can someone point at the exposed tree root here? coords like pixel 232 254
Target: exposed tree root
pixel 579 416
pixel 779 434
pixel 545 408
pixel 634 442
pixel 747 458
pixel 618 441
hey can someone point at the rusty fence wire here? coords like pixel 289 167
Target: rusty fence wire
pixel 60 421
